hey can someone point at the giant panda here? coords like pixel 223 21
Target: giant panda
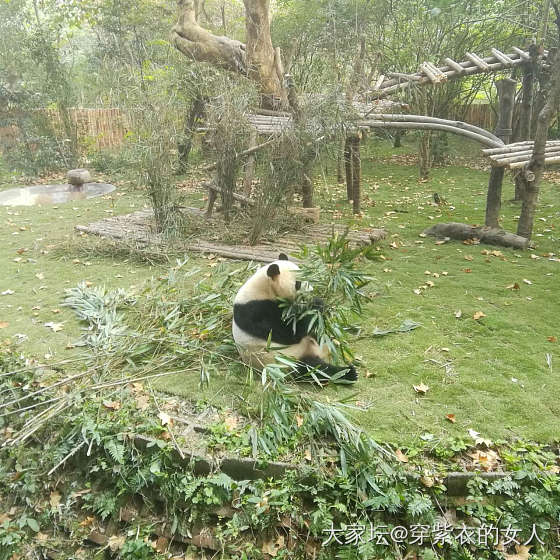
pixel 260 334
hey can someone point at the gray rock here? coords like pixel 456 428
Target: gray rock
pixel 78 176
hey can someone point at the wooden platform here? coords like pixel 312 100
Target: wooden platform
pixel 515 156
pixel 137 230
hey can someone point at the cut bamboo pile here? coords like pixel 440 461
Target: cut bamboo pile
pixel 429 74
pixel 137 230
pixel 516 156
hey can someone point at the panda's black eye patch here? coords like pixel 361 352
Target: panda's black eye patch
pixel 298 284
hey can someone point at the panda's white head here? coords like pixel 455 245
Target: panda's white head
pixel 275 280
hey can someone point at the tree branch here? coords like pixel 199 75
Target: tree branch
pixel 199 44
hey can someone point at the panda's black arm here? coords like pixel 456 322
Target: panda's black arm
pixel 263 318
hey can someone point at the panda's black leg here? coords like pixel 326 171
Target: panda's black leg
pixel 324 372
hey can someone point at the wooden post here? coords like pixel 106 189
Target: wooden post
pixel 506 96
pixel 356 173
pixel 250 166
pixel 348 168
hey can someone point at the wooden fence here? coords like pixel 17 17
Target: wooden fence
pixel 106 128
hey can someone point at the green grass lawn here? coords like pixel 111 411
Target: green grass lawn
pixel 498 375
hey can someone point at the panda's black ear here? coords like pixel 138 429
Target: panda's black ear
pixel 273 270
pixel 283 257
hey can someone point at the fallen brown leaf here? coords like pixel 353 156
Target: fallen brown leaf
pixel 112 405
pixel 421 388
pixel 522 553
pixel 401 456
pixel 478 315
pixel 451 418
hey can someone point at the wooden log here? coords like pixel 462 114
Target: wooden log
pixel 426 68
pixel 421 118
pixel 547 161
pixel 454 65
pixel 510 148
pixel 522 54
pixel 503 58
pixel 213 188
pixel 475 59
pixel 490 236
pixel 440 76
pixel 379 82
pixel 413 77
pixel 504 162
pixel 432 126
pixel 522 151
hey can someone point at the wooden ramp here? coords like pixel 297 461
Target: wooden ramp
pixel 430 74
pixel 137 230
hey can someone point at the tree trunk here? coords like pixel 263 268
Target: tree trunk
pixel 356 174
pixel 262 67
pixel 524 127
pixel 185 144
pixel 256 59
pixel 340 158
pixel 506 96
pixel 250 166
pixel 348 168
pixel 424 155
pixel 531 175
